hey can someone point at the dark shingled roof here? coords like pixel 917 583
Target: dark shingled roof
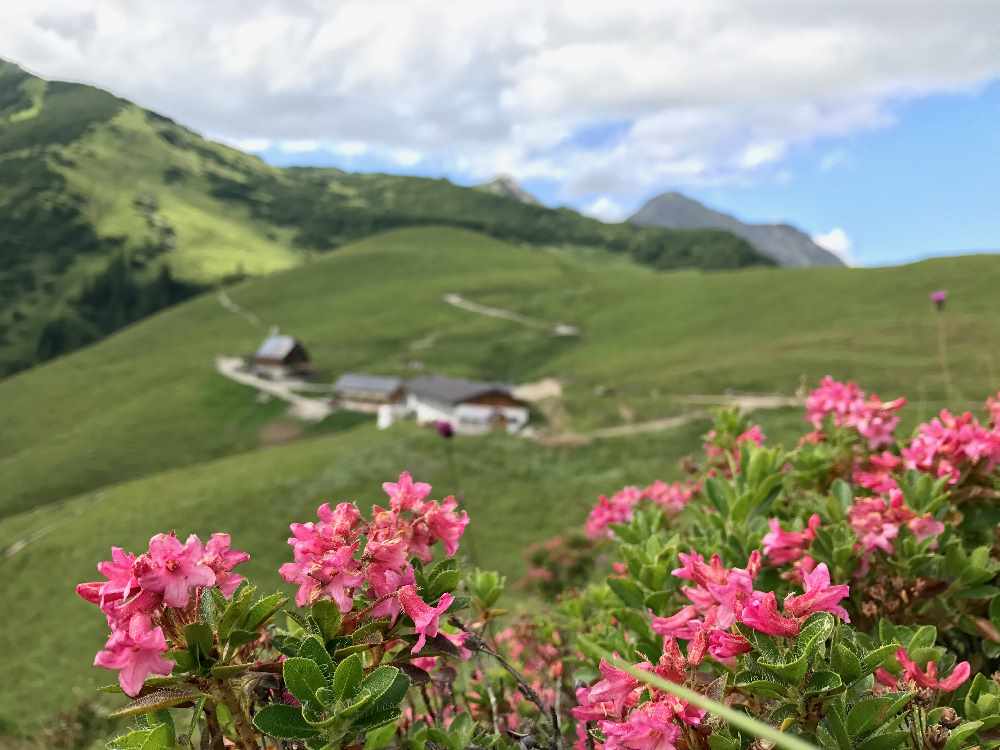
pixel 452 390
pixel 356 381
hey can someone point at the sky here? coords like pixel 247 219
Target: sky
pixel 870 124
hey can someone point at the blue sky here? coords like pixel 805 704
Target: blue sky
pixel 870 125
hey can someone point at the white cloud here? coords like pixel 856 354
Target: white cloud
pixel 711 92
pixel 758 154
pixel 349 148
pixel 605 209
pixel 298 147
pixel 837 242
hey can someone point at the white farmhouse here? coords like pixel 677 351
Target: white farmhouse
pixel 470 407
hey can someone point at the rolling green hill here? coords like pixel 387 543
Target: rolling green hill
pixel 138 433
pixel 109 212
pixel 148 399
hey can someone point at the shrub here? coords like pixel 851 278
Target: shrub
pixel 842 594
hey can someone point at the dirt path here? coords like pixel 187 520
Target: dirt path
pixel 309 409
pixel 556 329
pixel 745 403
pixel 227 303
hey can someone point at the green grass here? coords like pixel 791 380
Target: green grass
pixel 148 399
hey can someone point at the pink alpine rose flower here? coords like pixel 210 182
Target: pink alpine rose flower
pixel 445 524
pixel 783 547
pixel 929 678
pixel 819 596
pixel 650 726
pixel 725 645
pixel 761 614
pixel 425 617
pixel 137 652
pixel 173 569
pixel 405 494
pixel 221 558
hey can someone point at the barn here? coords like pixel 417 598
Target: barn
pixel 470 407
pixel 359 392
pixel 280 356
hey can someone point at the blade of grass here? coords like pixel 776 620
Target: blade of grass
pixel 737 718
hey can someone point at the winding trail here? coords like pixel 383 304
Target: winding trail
pixel 227 303
pixel 309 409
pixel 556 329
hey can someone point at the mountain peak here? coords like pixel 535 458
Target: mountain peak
pixel 783 243
pixel 508 187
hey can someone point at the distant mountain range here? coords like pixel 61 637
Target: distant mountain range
pixel 783 243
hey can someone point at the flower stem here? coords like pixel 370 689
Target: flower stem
pixel 244 730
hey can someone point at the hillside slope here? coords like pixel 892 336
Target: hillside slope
pixel 148 398
pixel 109 212
pixel 783 243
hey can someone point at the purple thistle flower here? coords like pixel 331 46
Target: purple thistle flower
pixel 938 297
pixel 444 429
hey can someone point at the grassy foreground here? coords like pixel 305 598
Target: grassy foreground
pixel 516 493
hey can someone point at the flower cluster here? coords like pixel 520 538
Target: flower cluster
pixel 848 406
pixel 876 522
pixel 613 705
pixel 951 446
pixel 724 596
pixel 148 598
pixel 791 548
pixel 327 563
pixel 619 507
pixel 924 678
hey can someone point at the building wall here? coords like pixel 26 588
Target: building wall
pixel 468 418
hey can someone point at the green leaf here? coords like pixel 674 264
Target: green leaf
pixel 347 677
pixel 263 611
pixel 867 714
pixel 823 682
pixel 876 658
pixel 359 703
pixel 444 582
pixel 380 738
pixel 629 592
pixel 283 723
pixel 328 617
pixel 846 663
pixel 959 733
pixel 303 678
pixel 760 683
pixel 387 685
pixel 793 665
pixel 236 610
pixel 240 637
pixel 312 648
pixel 157 700
pixel 925 636
pixel 376 719
pixel 371 632
pixel 886 741
pixel 200 640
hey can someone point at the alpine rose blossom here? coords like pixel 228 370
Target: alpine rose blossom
pixel 173 569
pixel 849 406
pixel 761 614
pixel 783 547
pixel 819 596
pixel 136 652
pixel 425 617
pixel 928 678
